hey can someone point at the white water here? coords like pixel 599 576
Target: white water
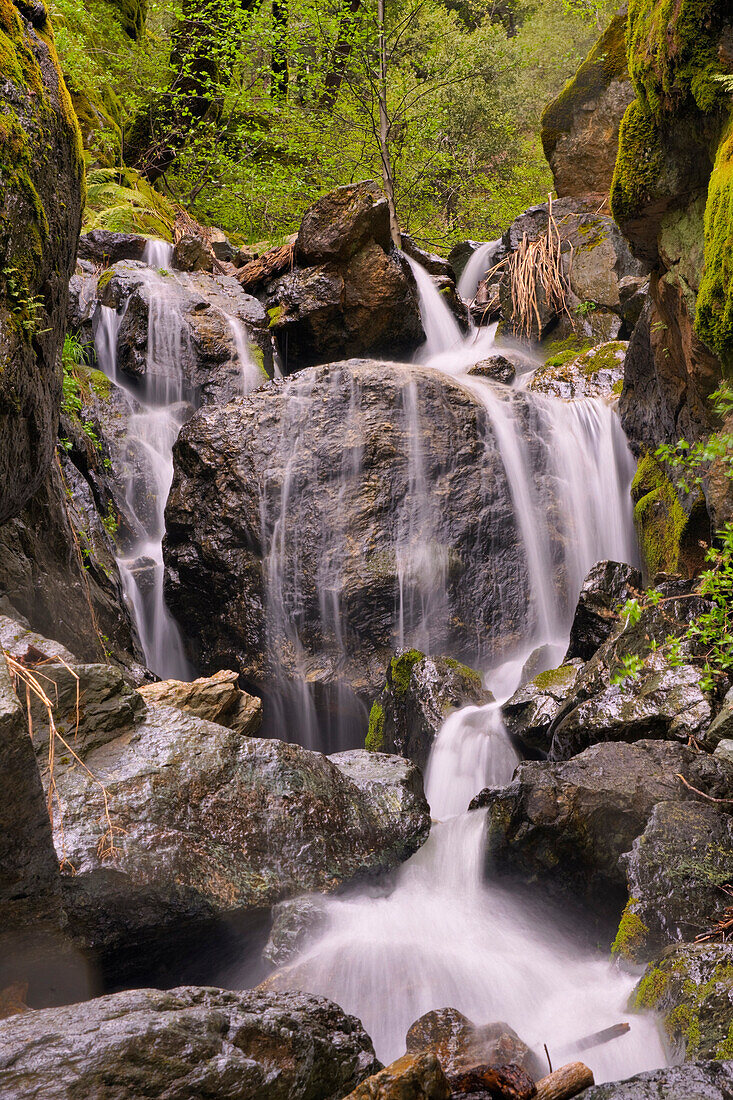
pixel 442 935
pixel 475 270
pixel 159 404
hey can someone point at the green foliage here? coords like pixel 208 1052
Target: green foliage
pixel 714 314
pixel 25 307
pixel 76 386
pixel 121 200
pixel 375 734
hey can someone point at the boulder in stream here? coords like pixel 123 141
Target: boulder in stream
pixel 216 698
pixel 188 1042
pixel 605 590
pixel 596 373
pixel 412 1077
pixel 692 1081
pixel 461 1044
pixel 418 694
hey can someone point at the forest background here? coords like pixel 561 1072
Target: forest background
pixel 245 112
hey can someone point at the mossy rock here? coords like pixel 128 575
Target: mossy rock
pixel 121 200
pixel 692 987
pixel 714 317
pixel 669 534
pixel 131 15
pixel 639 164
pixel 99 121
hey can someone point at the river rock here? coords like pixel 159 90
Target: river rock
pixel 43 175
pixel 294 922
pixel 105 247
pixel 202 822
pixel 204 308
pixel 580 127
pixel 605 590
pixel 461 1044
pixel 17 639
pixel 675 871
pixel 216 698
pixel 496 367
pixel 565 825
pixel 412 1077
pixel 339 437
pixel 418 694
pixel 432 263
pixel 691 985
pixel 722 725
pixel 191 254
pixel 530 713
pixel 186 1042
pixel 341 223
pixel 596 373
pixel 693 1081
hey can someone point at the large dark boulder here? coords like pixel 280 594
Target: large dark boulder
pixel 40 216
pixel 580 127
pixel 105 247
pixel 675 872
pixel 460 1044
pixel 418 694
pixel 565 825
pixel 531 712
pixel 605 590
pixel 186 1042
pixel 691 986
pixel 694 1081
pixel 307 488
pixel 340 224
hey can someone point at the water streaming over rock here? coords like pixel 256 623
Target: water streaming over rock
pixel 158 404
pixel 441 934
pixel 475 270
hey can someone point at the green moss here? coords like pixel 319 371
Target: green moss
pixel 672 53
pixel 559 352
pixel 257 355
pixel 606 62
pixel 650 989
pixel 467 673
pixel 558 679
pixel 631 935
pixel 375 734
pixel 639 163
pixel 99 384
pixel 400 670
pixel 604 357
pixel 617 387
pixel 658 515
pixel 724 1050
pixel 714 316
pixel 275 313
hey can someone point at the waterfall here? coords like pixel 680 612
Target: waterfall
pixel 157 406
pixel 439 933
pixel 475 270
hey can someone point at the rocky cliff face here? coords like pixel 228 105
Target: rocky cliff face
pixel 40 214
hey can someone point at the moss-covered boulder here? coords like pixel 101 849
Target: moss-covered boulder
pixel 598 372
pixel 673 528
pixel 41 181
pixel 692 987
pixel 533 709
pixel 671 197
pixel 98 114
pixel 712 1080
pixel 121 200
pixel 418 694
pixel 675 872
pixel 580 128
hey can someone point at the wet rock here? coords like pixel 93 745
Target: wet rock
pixel 486 1082
pixel 694 1081
pixel 192 254
pixel 17 639
pixel 530 713
pixel 81 307
pixel 412 1077
pixel 338 226
pixel 201 822
pixel 223 330
pixel 461 1044
pixel 721 728
pixel 496 367
pixel 691 985
pixel 724 750
pixel 105 247
pixel 607 587
pixel 565 825
pixel 43 175
pixel 596 373
pixel 460 254
pixel 187 1041
pixel 633 292
pixel 418 694
pixel 580 128
pixel 294 922
pixel 432 263
pixel 666 702
pixel 366 304
pixel 216 698
pixel 58 569
pixel 675 872
pixel 340 433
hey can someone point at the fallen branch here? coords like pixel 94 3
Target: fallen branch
pixel 268 266
pixel 598 1038
pixel 709 797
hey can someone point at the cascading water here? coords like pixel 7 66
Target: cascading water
pixel 158 405
pixel 440 934
pixel 475 270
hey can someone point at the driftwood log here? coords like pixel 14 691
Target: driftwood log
pixel 269 265
pixel 565 1082
pixel 508 1082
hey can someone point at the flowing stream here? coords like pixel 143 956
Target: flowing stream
pixel 158 405
pixel 439 934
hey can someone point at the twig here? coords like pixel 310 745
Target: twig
pixel 702 794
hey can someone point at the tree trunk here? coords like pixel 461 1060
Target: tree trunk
pixel 339 57
pixel 387 173
pixel 565 1082
pixel 279 60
